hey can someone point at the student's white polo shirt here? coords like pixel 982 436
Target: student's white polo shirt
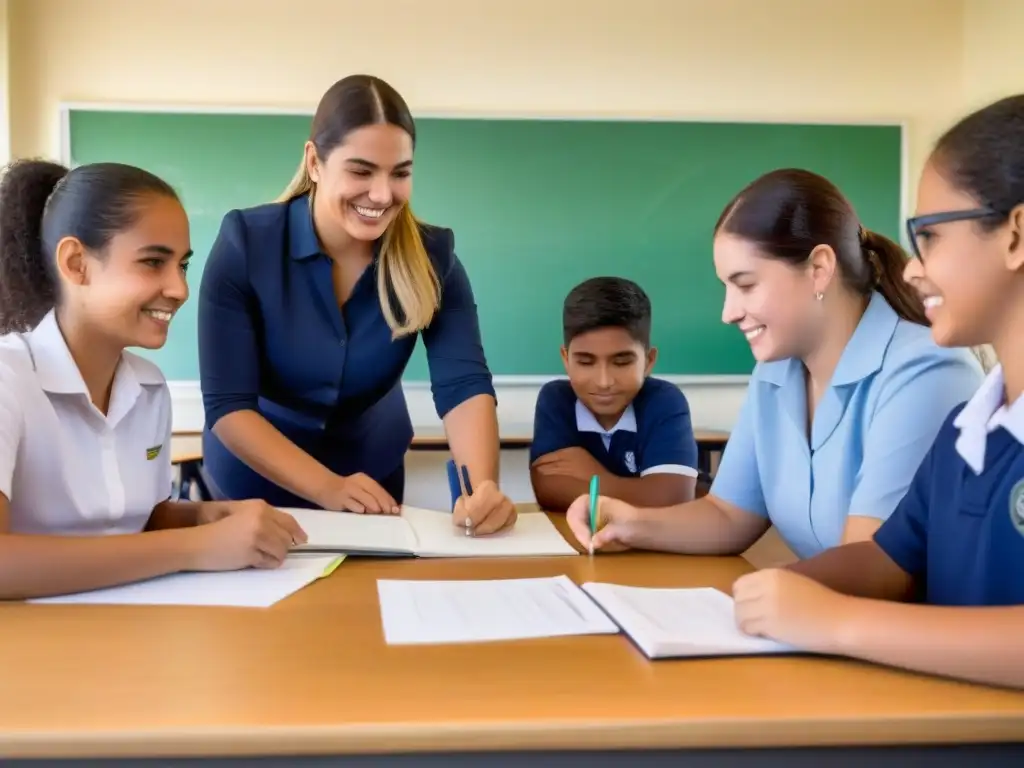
pixel 65 467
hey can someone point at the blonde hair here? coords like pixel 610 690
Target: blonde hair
pixel 405 273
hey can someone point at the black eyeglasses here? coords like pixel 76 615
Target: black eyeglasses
pixel 916 223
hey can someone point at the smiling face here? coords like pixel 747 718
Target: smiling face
pixel 363 183
pixel 131 291
pixel 606 368
pixel 964 272
pixel 772 303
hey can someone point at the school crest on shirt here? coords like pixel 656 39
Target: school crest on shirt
pixel 630 459
pixel 152 453
pixel 1017 507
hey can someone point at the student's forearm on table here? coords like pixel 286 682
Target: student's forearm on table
pixel 472 431
pixel 42 566
pixel 174 514
pixel 555 493
pixel 257 443
pixel 861 569
pixel 698 527
pixel 649 491
pixel 977 644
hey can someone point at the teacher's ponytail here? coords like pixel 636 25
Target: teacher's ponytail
pixel 406 276
pixel 300 184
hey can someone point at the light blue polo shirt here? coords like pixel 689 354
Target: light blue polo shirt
pixel 890 394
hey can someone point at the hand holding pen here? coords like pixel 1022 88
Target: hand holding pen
pixel 600 523
pixel 480 511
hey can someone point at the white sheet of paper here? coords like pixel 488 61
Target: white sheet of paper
pixel 248 588
pixel 415 612
pixel 356 532
pixel 533 535
pixel 678 621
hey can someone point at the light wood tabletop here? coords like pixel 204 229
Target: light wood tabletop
pixel 313 675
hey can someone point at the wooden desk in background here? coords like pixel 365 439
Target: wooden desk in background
pixel 187 450
pixel 188 446
pixel 313 676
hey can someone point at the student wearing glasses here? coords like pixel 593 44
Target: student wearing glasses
pixel 940 587
pixel 848 393
pixel 309 310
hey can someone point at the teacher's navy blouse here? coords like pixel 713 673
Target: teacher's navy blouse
pixel 273 339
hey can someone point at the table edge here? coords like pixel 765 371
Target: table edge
pixel 520 736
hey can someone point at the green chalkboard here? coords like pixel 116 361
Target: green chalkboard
pixel 536 206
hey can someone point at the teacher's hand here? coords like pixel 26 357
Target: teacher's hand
pixel 362 494
pixel 486 510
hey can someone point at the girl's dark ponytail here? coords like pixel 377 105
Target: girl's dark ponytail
pixel 887 260
pixel 41 203
pixel 28 286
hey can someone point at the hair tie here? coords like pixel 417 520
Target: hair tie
pixel 56 188
pixel 875 264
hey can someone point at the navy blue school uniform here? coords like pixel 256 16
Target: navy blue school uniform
pixel 273 339
pixel 653 436
pixel 960 529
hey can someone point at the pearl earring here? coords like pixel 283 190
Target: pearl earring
pixel 819 295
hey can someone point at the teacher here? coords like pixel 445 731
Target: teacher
pixel 309 310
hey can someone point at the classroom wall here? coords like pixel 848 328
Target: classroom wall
pixel 5 115
pixel 735 59
pixel 993 50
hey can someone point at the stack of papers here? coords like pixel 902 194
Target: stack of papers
pixel 662 622
pixel 479 611
pixel 248 588
pixel 425 533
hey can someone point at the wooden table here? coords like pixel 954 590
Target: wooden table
pixel 312 676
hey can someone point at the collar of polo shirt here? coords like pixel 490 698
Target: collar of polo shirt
pixel 984 413
pixel 58 373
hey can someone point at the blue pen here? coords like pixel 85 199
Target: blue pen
pixel 458 482
pixel 595 495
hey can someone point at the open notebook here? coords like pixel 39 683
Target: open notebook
pixel 667 622
pixel 663 623
pixel 425 533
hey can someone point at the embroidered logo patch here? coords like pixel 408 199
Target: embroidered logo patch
pixel 152 453
pixel 1017 507
pixel 630 461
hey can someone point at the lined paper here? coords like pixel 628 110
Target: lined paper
pixel 415 612
pixel 533 535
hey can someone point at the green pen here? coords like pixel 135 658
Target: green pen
pixel 594 496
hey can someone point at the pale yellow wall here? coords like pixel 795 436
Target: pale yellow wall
pixel 782 59
pixel 921 61
pixel 5 117
pixel 993 50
